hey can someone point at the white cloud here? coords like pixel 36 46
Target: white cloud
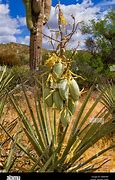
pixel 85 11
pixel 9 27
pixel 24 40
pixel 8 38
pixel 21 21
pixel 4 9
pixel 82 12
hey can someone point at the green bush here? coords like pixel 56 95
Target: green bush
pixel 91 68
pixel 24 58
pixel 9 58
pixel 20 74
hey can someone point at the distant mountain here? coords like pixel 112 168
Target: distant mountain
pixel 15 54
pixel 14 47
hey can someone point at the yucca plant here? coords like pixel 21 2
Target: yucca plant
pixel 7 146
pixel 46 151
pixel 5 80
pixel 53 146
pixel 108 100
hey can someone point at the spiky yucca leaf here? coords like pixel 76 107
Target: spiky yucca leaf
pixel 108 98
pixel 5 79
pixel 10 157
pixel 61 155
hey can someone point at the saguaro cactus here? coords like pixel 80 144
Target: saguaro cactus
pixel 37 15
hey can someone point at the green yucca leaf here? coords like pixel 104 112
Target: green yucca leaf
pixel 54 122
pixel 33 119
pixel 3 73
pixel 66 151
pixel 5 80
pixel 22 115
pixel 106 129
pixel 2 104
pixel 81 111
pixel 46 122
pixel 39 119
pixel 74 132
pixel 35 167
pixel 11 126
pixel 52 152
pixel 87 135
pixel 72 138
pixel 45 166
pixel 43 125
pixel 92 168
pixel 90 111
pixel 94 128
pixel 11 159
pixel 92 158
pixel 57 150
pixel 34 142
pixel 108 98
pixel 28 127
pixel 19 145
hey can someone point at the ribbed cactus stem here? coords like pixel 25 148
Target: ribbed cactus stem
pixel 36 6
pixel 29 15
pixel 37 15
pixel 47 9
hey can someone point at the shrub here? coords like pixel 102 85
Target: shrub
pixel 24 58
pixel 9 58
pixel 20 74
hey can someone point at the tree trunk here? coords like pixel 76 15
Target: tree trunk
pixel 36 41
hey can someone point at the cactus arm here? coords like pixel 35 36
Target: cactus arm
pixel 47 9
pixel 28 14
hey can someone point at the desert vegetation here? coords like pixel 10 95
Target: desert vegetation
pixel 61 116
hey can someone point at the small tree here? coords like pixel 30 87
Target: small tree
pixel 37 15
pixel 102 38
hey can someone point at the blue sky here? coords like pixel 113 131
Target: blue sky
pixel 17 7
pixel 13 25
